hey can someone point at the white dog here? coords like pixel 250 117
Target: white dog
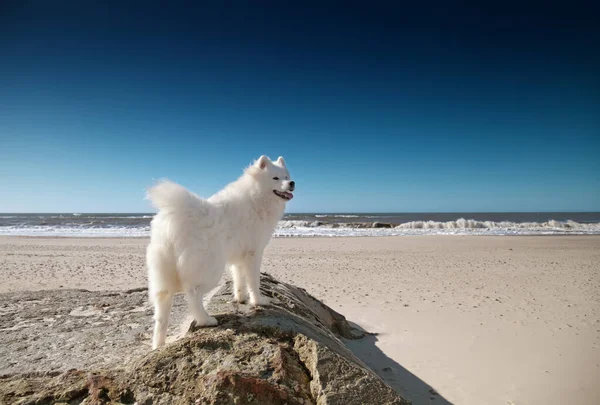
pixel 193 240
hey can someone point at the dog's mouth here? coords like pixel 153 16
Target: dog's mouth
pixel 284 194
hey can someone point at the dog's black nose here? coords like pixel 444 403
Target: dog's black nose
pixel 292 184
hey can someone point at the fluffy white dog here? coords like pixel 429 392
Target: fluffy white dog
pixel 193 240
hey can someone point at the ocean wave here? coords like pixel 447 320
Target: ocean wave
pixel 295 223
pixel 122 217
pixel 585 229
pixel 66 216
pixel 303 228
pixel 336 216
pixel 75 231
pixel 463 223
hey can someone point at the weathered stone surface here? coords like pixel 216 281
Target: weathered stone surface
pixel 287 353
pixel 64 329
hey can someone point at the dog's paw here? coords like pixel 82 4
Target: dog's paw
pixel 210 321
pixel 260 301
pixel 240 298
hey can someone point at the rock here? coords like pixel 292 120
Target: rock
pixel 288 353
pixel 68 329
pixel 381 225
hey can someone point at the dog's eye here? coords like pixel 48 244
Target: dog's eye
pixel 275 178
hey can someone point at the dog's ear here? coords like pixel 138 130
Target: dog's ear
pixel 280 161
pixel 262 162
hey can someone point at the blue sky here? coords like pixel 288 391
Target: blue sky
pixel 375 107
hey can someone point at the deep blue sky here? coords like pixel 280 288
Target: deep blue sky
pixel 376 106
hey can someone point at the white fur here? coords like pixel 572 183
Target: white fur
pixel 193 240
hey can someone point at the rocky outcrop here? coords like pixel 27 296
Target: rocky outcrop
pixel 291 352
pixel 381 225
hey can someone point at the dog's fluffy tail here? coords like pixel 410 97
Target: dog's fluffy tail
pixel 168 196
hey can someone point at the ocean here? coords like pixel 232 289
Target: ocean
pixel 331 225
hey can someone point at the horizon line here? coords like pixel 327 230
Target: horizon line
pixel 332 212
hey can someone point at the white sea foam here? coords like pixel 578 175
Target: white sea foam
pixel 75 231
pixel 461 226
pixel 299 224
pixel 301 228
pixel 122 217
pixel 473 224
pixel 336 216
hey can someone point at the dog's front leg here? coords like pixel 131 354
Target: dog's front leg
pixel 253 281
pixel 239 283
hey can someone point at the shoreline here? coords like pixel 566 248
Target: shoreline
pixel 320 225
pixel 326 237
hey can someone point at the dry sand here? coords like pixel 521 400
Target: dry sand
pixel 482 320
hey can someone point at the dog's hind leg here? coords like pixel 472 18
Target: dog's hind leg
pixel 200 271
pixel 252 275
pixel 194 296
pixel 162 284
pixel 163 301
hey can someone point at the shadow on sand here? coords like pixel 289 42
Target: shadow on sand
pixel 403 381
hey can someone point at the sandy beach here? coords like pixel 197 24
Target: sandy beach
pixel 481 320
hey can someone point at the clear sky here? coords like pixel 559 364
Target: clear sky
pixel 376 106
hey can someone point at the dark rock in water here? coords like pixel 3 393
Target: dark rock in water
pixel 288 353
pixel 381 225
pixel 356 225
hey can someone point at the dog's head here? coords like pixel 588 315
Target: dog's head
pixel 273 177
